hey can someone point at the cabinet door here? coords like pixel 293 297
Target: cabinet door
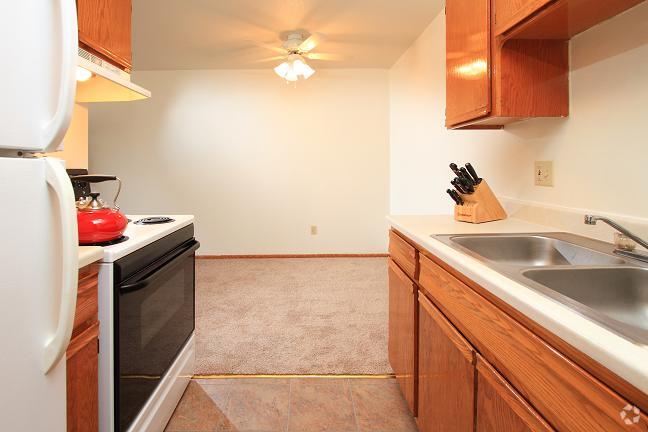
pixel 508 13
pixel 83 382
pixel 500 407
pixel 446 374
pixel 403 332
pixel 105 28
pixel 468 89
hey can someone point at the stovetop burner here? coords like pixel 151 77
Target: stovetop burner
pixel 108 243
pixel 154 220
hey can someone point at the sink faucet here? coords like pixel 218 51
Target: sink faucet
pixel 591 220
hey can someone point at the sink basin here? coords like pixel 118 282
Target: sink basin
pixel 575 271
pixel 532 251
pixel 620 293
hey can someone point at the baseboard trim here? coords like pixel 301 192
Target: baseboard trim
pixel 368 255
pixel 344 376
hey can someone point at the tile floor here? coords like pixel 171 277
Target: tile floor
pixel 292 405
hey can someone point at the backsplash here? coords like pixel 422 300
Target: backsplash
pixel 571 219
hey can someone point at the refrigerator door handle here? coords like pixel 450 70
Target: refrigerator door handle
pixel 57 126
pixel 59 181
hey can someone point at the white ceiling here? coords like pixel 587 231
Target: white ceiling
pixel 213 34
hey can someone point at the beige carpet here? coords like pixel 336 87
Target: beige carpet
pixel 285 316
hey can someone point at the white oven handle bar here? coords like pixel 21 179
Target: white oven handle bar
pixel 59 181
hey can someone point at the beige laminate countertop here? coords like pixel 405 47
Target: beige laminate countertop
pixel 89 254
pixel 627 359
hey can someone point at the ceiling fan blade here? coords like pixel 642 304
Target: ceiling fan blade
pixel 268 46
pixel 269 59
pixel 310 43
pixel 324 56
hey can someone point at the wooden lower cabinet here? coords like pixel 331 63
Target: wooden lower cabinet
pixel 83 382
pixel 500 408
pixel 446 374
pixel 482 366
pixel 459 390
pixel 568 397
pixel 82 357
pixel 404 254
pixel 403 332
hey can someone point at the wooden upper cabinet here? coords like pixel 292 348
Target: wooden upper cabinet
pixel 468 90
pixel 560 19
pixel 105 30
pixel 518 67
pixel 403 332
pixel 446 374
pixel 500 407
pixel 510 12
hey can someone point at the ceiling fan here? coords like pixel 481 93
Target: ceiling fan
pixel 296 48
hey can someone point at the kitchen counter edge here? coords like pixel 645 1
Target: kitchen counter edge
pixel 89 255
pixel 627 359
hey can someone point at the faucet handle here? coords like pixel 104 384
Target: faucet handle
pixel 623 242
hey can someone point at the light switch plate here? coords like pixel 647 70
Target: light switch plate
pixel 543 173
pixel 313 230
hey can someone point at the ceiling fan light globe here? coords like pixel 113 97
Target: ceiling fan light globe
pixel 307 71
pixel 291 75
pixel 282 70
pixel 299 67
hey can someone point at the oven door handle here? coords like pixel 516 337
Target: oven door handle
pixel 168 265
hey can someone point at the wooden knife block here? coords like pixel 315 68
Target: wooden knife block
pixel 480 206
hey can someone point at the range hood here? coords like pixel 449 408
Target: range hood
pixel 107 83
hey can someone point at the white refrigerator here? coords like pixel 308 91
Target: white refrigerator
pixel 38 232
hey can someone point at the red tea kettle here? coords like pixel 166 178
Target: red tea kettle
pixel 97 221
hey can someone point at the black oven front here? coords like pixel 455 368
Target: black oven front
pixel 154 311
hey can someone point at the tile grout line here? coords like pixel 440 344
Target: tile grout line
pixel 216 377
pixel 226 413
pixel 355 415
pixel 290 386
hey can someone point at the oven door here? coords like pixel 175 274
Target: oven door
pixel 154 318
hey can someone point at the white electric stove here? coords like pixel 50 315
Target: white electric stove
pixel 146 333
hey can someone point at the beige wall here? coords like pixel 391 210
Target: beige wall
pixel 257 161
pixel 75 143
pixel 600 152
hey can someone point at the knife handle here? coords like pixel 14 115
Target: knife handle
pixel 450 192
pixel 454 168
pixel 457 185
pixel 465 175
pixel 466 184
pixel 458 198
pixel 473 173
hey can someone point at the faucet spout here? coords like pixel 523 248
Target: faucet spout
pixel 592 219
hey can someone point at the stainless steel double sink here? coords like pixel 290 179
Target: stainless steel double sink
pixel 579 272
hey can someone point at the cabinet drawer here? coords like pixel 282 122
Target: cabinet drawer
pixel 568 397
pixel 405 255
pixel 87 305
pixel 500 407
pixel 403 332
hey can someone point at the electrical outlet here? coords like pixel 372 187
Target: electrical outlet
pixel 543 173
pixel 313 229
